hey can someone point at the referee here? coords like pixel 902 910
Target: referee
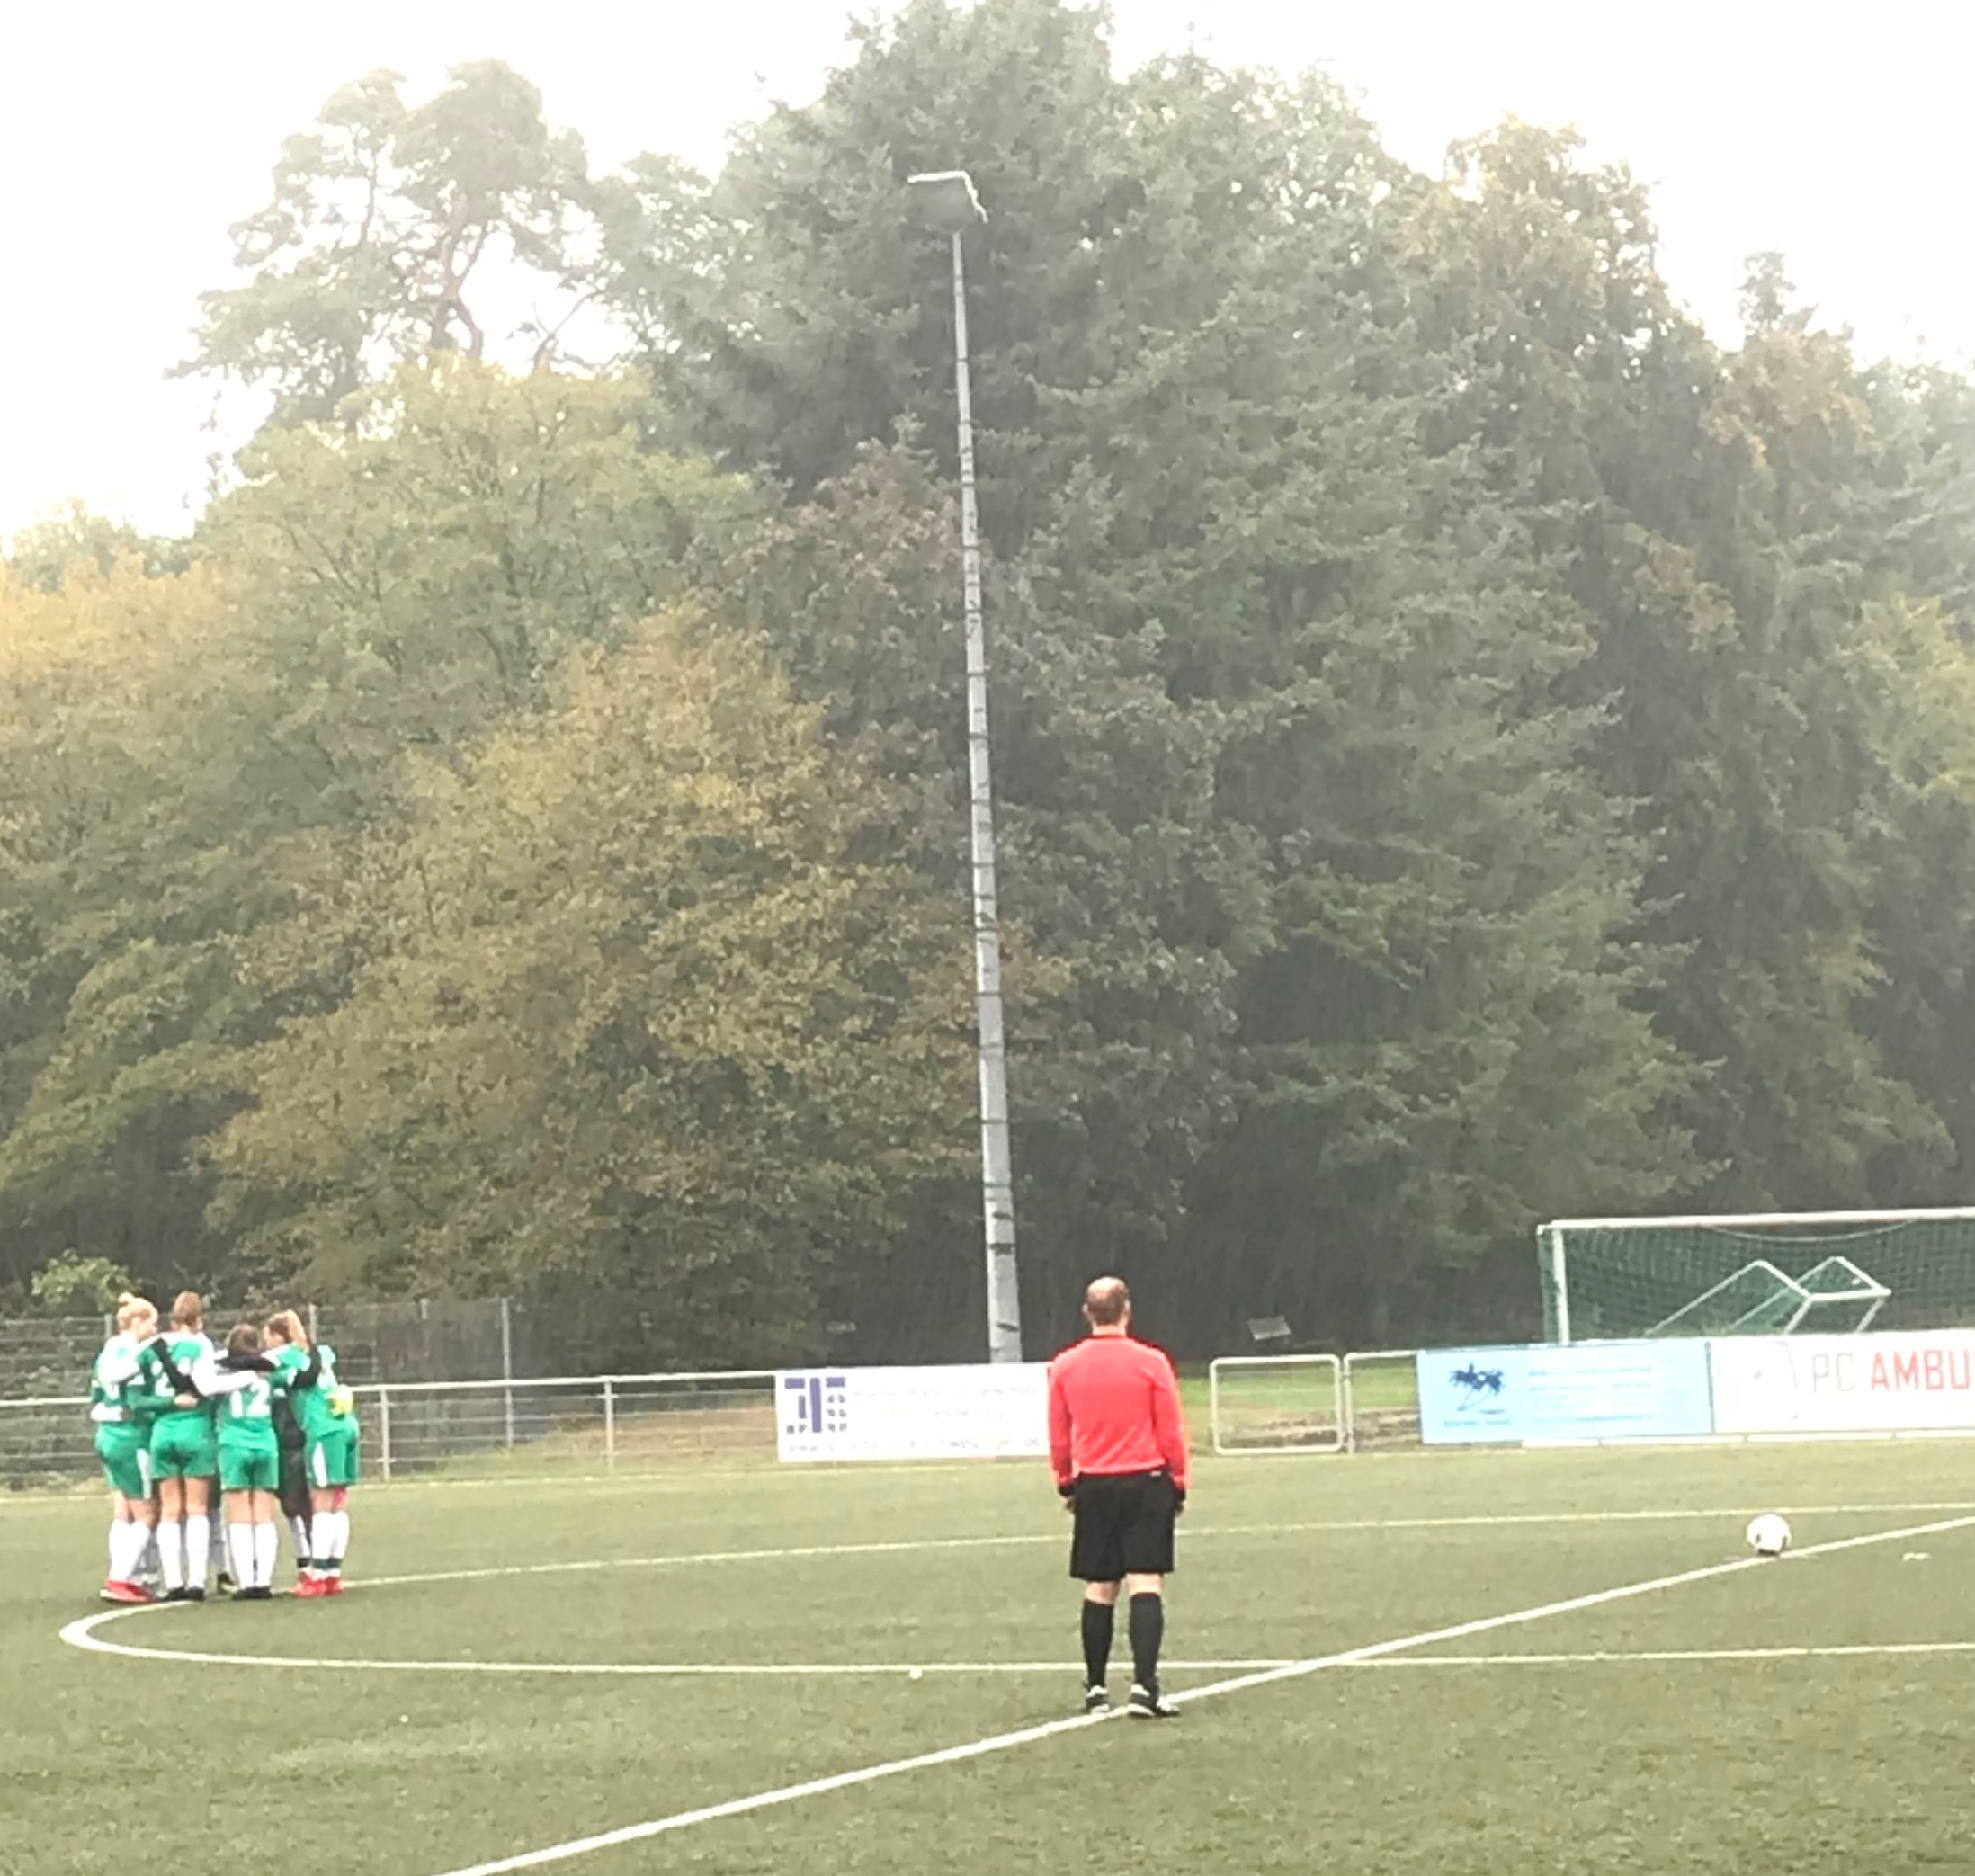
pixel 1118 1445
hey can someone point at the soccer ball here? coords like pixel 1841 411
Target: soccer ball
pixel 1768 1535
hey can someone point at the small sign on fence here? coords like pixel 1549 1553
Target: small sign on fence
pixel 977 1411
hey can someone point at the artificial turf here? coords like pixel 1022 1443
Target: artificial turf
pixel 1804 1762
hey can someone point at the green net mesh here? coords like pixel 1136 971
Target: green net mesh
pixel 1739 1276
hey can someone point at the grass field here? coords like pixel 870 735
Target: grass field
pixel 1634 1732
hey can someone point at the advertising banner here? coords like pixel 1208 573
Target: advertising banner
pixel 985 1411
pixel 1922 1382
pixel 1586 1391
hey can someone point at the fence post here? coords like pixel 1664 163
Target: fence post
pixel 384 1429
pixel 315 1334
pixel 507 1372
pixel 609 1424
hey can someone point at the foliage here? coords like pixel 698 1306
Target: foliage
pixel 1467 746
pixel 43 553
pixel 71 1284
pixel 637 1031
pixel 386 222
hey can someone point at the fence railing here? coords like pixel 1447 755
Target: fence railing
pixel 576 1424
pixel 406 1339
pixel 1258 1404
pixel 602 1424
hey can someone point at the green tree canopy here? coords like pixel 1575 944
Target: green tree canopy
pixel 638 1034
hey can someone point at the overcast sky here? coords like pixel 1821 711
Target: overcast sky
pixel 132 135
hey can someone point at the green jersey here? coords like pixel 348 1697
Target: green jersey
pixel 118 1394
pixel 247 1414
pixel 189 1351
pixel 327 1406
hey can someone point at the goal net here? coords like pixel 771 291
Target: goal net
pixel 1811 1272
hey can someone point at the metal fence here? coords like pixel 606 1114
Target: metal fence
pixel 1313 1403
pixel 411 1339
pixel 603 1424
pixel 575 1426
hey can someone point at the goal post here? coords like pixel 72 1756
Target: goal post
pixel 1786 1273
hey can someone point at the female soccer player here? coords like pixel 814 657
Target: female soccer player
pixel 116 1404
pixel 324 1406
pixel 283 1341
pixel 184 1452
pixel 249 1459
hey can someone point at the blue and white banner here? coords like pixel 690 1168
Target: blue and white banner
pixel 977 1411
pixel 1585 1390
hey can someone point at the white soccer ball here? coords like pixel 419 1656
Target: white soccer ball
pixel 1768 1535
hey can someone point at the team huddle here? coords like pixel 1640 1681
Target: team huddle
pixel 203 1446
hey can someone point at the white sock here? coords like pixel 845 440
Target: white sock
pixel 266 1547
pixel 198 1551
pixel 322 1537
pixel 150 1558
pixel 139 1548
pixel 297 1529
pixel 127 1542
pixel 240 1553
pixel 341 1535
pixel 170 1552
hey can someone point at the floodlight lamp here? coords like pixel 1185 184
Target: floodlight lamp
pixel 945 199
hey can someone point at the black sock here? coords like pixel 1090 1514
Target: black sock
pixel 1096 1642
pixel 1147 1631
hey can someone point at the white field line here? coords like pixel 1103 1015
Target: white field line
pixel 1055 1728
pixel 82 1634
pixel 1836 1651
pixel 905 1546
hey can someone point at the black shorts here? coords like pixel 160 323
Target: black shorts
pixel 1124 1526
pixel 294 1482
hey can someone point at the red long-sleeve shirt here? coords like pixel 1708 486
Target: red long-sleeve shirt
pixel 1113 1408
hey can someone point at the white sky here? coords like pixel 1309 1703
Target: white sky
pixel 133 134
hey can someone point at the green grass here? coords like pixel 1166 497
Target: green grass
pixel 1804 1765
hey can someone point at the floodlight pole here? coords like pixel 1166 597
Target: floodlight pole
pixel 947 199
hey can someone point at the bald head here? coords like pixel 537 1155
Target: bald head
pixel 1107 1304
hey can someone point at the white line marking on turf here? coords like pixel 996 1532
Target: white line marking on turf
pixel 82 1634
pixel 895 1547
pixel 1056 1729
pixel 904 1546
pixel 1605 1656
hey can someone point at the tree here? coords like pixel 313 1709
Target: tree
pixel 43 553
pixel 74 1285
pixel 1282 736
pixel 187 760
pixel 386 222
pixel 792 310
pixel 640 1035
pixel 119 885
pixel 1725 523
